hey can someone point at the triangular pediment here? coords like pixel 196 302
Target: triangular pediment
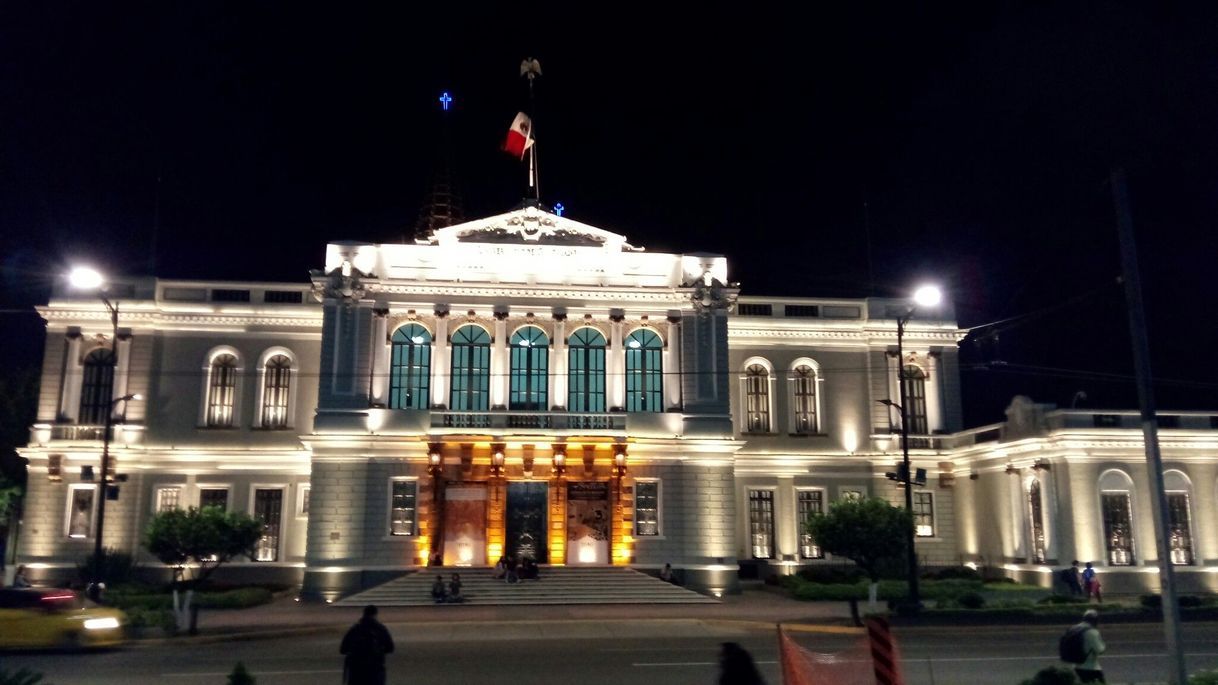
pixel 530 226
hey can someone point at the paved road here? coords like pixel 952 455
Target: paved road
pixel 610 653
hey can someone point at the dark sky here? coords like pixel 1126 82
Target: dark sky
pixel 980 137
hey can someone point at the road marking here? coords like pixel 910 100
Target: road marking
pixel 221 674
pixel 681 664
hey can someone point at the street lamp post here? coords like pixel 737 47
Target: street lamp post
pixel 88 279
pixel 925 296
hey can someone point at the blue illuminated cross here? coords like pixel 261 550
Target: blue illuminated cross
pixel 559 209
pixel 445 98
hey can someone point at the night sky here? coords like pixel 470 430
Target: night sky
pixel 830 152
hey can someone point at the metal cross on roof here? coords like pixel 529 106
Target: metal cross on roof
pixel 445 98
pixel 559 209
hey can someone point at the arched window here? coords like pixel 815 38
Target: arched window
pixel 471 369
pixel 410 368
pixel 644 371
pixel 757 399
pixel 915 399
pixel 1036 512
pixel 1179 517
pixel 586 371
pixel 803 399
pixel 221 391
pixel 1116 512
pixel 97 386
pixel 276 391
pixel 530 369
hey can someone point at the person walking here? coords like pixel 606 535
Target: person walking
pixel 365 646
pixel 1090 670
pixel 1091 584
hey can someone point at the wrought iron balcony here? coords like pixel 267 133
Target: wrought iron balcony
pixel 538 420
pixel 121 433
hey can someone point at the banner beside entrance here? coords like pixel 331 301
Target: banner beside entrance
pixel 465 525
pixel 588 523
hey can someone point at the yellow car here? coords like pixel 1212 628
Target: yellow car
pixel 42 618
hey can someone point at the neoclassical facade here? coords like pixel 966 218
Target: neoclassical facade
pixel 528 384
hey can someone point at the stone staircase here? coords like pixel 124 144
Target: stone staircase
pixel 558 585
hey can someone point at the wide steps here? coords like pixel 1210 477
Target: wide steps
pixel 557 586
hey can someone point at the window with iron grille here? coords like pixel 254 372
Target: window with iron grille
pixel 213 497
pixel 915 399
pixel 168 499
pixel 222 295
pixel 1118 528
pixel 586 371
pixel 402 499
pixel 471 369
pixel 282 297
pixel 810 503
pixel 647 508
pixel 268 508
pixel 761 523
pixel 802 310
pixel 97 387
pixel 1179 529
pixel 221 391
pixel 530 377
pixel 644 372
pixel 1037 512
pixel 277 384
pixel 803 393
pixel 410 368
pixel 757 399
pixel 924 514
pixel 747 309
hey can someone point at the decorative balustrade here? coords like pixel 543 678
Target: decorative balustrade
pixel 539 420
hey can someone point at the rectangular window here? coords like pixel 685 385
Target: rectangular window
pixel 924 514
pixel 647 508
pixel 268 508
pixel 282 297
pixel 213 497
pixel 402 498
pixel 802 310
pixel 850 495
pixel 1179 530
pixel 229 295
pixel 79 518
pixel 746 309
pixel 761 523
pixel 810 503
pixel 1118 528
pixel 302 501
pixel 168 499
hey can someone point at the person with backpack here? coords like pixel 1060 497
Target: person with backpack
pixel 1082 646
pixel 365 646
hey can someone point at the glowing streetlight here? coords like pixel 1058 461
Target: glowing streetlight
pixel 928 296
pixel 85 278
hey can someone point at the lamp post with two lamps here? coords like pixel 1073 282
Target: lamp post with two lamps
pixel 85 278
pixel 925 296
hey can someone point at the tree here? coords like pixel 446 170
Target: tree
pixel 870 532
pixel 196 542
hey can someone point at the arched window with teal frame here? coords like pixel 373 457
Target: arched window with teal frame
pixel 530 370
pixel 410 368
pixel 644 371
pixel 586 371
pixel 471 369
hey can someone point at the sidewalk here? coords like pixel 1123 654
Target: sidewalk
pixel 752 610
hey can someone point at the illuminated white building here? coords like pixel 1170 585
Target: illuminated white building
pixel 527 384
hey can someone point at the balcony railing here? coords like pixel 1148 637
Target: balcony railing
pixel 121 433
pixel 539 420
pixel 77 432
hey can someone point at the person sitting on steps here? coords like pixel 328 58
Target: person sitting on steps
pixel 511 576
pixel 454 590
pixel 529 570
pixel 500 570
pixel 438 593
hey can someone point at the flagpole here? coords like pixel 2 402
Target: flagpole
pixel 531 69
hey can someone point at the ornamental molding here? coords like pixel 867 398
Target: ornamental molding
pixel 531 225
pixel 457 291
pixel 160 319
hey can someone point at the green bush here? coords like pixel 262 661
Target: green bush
pixel 1053 675
pixel 1185 601
pixel 1062 599
pixel 822 592
pixel 953 573
pixel 831 574
pixel 115 567
pixel 971 600
pixel 240 598
pixel 140 617
pixel 1203 678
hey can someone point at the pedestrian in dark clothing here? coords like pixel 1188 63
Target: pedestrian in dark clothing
pixel 736 666
pixel 438 594
pixel 454 590
pixel 1075 580
pixel 365 646
pixel 1090 670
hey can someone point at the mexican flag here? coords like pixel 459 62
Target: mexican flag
pixel 520 136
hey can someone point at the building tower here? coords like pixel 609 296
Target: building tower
pixel 442 205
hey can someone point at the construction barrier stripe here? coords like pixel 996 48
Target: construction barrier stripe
pixel 883 652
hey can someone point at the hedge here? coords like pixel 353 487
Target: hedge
pixel 240 598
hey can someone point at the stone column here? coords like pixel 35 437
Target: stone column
pixel 69 397
pixel 122 371
pixel 934 393
pixel 558 363
pixel 615 381
pixel 379 390
pixel 500 377
pixel 440 364
pixel 558 507
pixel 672 362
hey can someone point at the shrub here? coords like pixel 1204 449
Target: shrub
pixel 1203 678
pixel 1053 675
pixel 971 600
pixel 953 573
pixel 821 592
pixel 831 574
pixel 116 567
pixel 1061 599
pixel 235 599
pixel 1185 601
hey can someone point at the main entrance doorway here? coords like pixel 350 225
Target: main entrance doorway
pixel 526 520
